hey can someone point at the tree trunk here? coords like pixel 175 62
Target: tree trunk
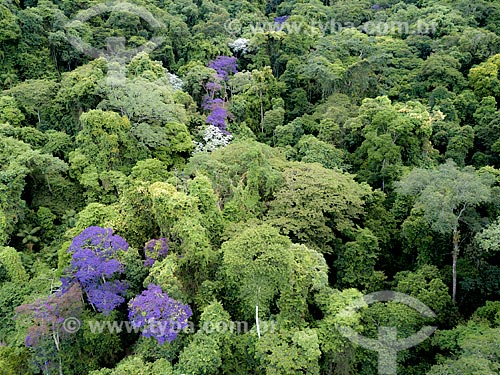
pixel 261 112
pixel 456 239
pixel 257 323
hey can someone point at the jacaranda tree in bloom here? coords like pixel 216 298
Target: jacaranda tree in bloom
pixel 158 315
pixel 96 267
pixel 154 250
pixel 218 114
pixel 45 322
pixel 224 65
pixel 215 106
pixel 47 315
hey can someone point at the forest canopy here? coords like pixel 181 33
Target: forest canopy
pixel 206 186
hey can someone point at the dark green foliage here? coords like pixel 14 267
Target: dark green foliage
pixel 363 151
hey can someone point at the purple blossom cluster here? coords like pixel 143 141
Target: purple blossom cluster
pixel 47 315
pixel 218 114
pixel 95 267
pixel 154 250
pixel 158 315
pixel 100 238
pixel 224 65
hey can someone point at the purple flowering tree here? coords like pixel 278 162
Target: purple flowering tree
pixel 47 315
pixel 45 319
pixel 154 250
pixel 96 268
pixel 215 106
pixel 218 115
pixel 224 65
pixel 158 315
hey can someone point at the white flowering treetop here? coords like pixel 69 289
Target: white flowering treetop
pixel 213 138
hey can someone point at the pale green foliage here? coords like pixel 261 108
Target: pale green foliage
pixel 212 220
pixel 163 273
pixel 104 146
pixel 444 194
pixel 203 354
pixel 489 238
pixel 142 65
pixel 9 112
pixel 144 101
pixel 289 352
pixel 11 260
pixel 201 357
pixel 312 150
pixel 489 313
pixel 308 187
pixel 465 366
pixel 94 214
pixel 135 208
pixel 104 140
pixel 170 205
pixel 244 175
pixel 484 78
pixel 12 185
pixel 136 365
pixel 3 228
pixel 8 25
pixel 177 216
pixel 256 264
pixel 308 276
pixel 148 100
pixel 150 170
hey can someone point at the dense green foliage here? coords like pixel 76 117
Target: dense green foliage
pixel 268 163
